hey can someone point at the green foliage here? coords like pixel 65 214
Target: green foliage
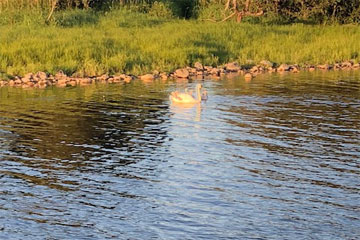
pixel 76 17
pixel 310 11
pixel 122 41
pixel 160 9
pixel 212 11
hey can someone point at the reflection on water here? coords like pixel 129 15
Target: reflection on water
pixel 273 158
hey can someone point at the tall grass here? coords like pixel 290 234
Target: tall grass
pixel 86 43
pixel 31 4
pixel 21 4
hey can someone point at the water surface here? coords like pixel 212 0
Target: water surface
pixel 274 158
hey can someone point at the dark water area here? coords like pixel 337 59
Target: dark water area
pixel 274 158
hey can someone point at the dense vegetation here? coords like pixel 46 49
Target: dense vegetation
pixel 93 37
pixel 313 11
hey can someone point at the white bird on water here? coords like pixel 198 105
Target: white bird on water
pixel 187 97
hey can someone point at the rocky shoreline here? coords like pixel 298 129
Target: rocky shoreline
pixel 43 80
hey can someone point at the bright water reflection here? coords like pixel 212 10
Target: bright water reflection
pixel 275 158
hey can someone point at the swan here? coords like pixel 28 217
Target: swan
pixel 186 97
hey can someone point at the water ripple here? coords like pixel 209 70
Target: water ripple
pixel 274 158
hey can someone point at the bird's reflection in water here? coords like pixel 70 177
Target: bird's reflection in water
pixel 189 111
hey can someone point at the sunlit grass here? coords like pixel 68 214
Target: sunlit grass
pixel 89 43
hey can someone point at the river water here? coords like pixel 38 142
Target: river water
pixel 277 157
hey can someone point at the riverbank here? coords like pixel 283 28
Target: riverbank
pixel 85 45
pixel 199 71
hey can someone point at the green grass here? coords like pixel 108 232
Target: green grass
pixel 89 43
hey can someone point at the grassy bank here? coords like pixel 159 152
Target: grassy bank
pixel 89 43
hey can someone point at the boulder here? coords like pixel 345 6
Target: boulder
pixel 61 81
pixel 147 77
pixel 254 69
pixel 283 68
pixel 323 66
pixel 215 72
pixel 41 75
pixel 85 81
pixel 337 66
pixel 60 75
pixel 30 84
pixel 128 79
pixel 346 64
pixel 27 78
pixel 164 76
pixel 18 82
pixel 295 69
pixel 29 75
pixel 199 66
pixel 182 73
pixel 267 64
pixel 232 67
pixel 102 78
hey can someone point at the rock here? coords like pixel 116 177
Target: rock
pixel 192 71
pixel 30 84
pixel 29 75
pixel 25 80
pixel 61 81
pixel 208 68
pixel 182 73
pixel 356 65
pixel 102 78
pixel 295 69
pixel 267 64
pixel 337 66
pixel 72 83
pixel 232 67
pixel 199 66
pixel 11 83
pixel 60 75
pixel 283 68
pixel 254 69
pixel 312 68
pixel 147 77
pixel 128 79
pixel 323 66
pixel 18 82
pixel 85 81
pixel 346 64
pixel 164 76
pixel 215 72
pixel 41 75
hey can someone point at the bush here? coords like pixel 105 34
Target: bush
pixel 73 18
pixel 184 8
pixel 160 9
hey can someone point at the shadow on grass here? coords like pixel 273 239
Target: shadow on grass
pixel 141 23
pixel 216 52
pixel 76 18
